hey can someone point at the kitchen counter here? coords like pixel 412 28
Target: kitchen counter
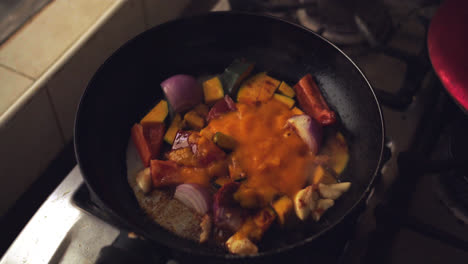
pixel 59 232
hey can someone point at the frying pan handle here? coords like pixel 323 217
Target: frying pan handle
pixel 130 249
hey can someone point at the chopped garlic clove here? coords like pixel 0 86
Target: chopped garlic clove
pixel 143 180
pixel 305 202
pixel 205 226
pixel 241 246
pixel 333 191
pixel 322 206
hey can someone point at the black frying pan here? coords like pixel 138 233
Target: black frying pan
pixel 127 86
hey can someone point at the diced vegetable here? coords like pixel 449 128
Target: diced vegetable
pixel 221 107
pixel 321 175
pixel 297 111
pixel 193 120
pixel 154 133
pixel 322 206
pixel 240 179
pixel 143 180
pixel 205 226
pixel 224 141
pixel 226 214
pixel 230 103
pixel 234 75
pixel 225 195
pixel 305 201
pixel 183 156
pixel 141 145
pixel 221 181
pixel 157 114
pixel 263 221
pixel 171 132
pixel 258 88
pixel 241 246
pixel 336 149
pixel 285 89
pixel 255 226
pixel 235 170
pixel 312 102
pixel 333 191
pixel 165 173
pixel 148 140
pixel 181 139
pixel 182 91
pixel 206 151
pixel 194 196
pixel 213 90
pixel 248 197
pixel 309 131
pixel 202 110
pixel 284 99
pixel 283 208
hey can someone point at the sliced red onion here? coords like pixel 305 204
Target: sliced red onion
pixel 182 91
pixel 194 196
pixel 181 140
pixel 225 195
pixel 222 106
pixel 308 130
pixel 229 218
pixel 230 103
pixel 225 214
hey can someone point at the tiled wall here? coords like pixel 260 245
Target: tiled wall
pixel 36 134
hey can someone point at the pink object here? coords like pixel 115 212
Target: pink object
pixel 448 48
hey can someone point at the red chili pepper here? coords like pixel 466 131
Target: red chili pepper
pixel 312 102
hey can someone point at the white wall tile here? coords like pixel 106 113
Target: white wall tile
pixel 67 85
pixel 12 86
pixel 28 142
pixel 44 39
pixel 160 11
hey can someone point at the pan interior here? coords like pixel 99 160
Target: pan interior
pixel 128 85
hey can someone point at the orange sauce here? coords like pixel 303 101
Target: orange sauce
pixel 274 158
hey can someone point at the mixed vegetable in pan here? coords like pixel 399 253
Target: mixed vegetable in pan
pixel 242 152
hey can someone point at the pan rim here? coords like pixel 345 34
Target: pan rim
pixel 231 256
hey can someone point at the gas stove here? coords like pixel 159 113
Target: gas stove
pixel 417 210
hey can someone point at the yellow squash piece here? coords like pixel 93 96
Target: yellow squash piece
pixel 284 99
pixel 213 90
pixel 221 181
pixel 258 88
pixel 193 120
pixel 321 175
pixel 171 132
pixel 283 208
pixel 337 149
pixel 297 111
pixel 157 114
pixel 202 110
pixel 285 89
